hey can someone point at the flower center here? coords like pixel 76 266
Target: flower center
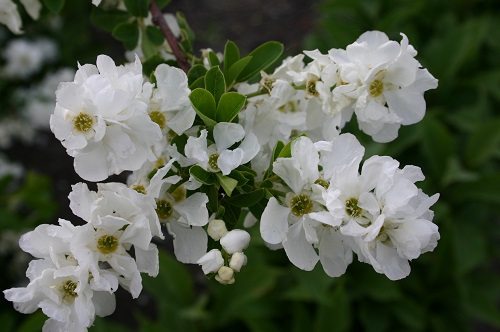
pixel 376 88
pixel 301 205
pixel 322 182
pixel 68 290
pixel 212 161
pixel 83 122
pixel 140 189
pixel 164 209
pixel 179 194
pixel 311 88
pixel 158 118
pixel 352 208
pixel 107 244
pixel 267 83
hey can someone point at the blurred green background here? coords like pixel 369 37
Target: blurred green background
pixel 457 145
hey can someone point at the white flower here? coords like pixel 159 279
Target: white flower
pixel 384 82
pixel 287 225
pixel 170 106
pixel 10 16
pixel 216 229
pixel 211 261
pixel 403 230
pixel 185 217
pixel 40 99
pixel 225 275
pixel 218 156
pixel 237 261
pixel 25 58
pixel 63 295
pixel 235 241
pixel 114 199
pixel 102 120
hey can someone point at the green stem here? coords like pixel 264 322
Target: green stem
pixel 259 92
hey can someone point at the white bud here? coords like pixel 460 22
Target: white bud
pixel 235 240
pixel 249 220
pixel 216 229
pixel 211 261
pixel 238 259
pixel 225 275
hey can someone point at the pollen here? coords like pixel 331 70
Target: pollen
pixel 164 209
pixel 68 290
pixel 107 244
pixel 179 194
pixel 301 205
pixel 212 161
pixel 352 208
pixel 83 122
pixel 322 182
pixel 158 118
pixel 311 88
pixel 140 189
pixel 376 88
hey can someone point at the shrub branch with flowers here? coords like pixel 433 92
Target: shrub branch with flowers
pixel 209 144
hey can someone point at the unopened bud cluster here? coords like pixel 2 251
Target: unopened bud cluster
pixel 232 243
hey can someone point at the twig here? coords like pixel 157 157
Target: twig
pixel 159 20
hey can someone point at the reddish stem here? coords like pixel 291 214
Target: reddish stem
pixel 159 20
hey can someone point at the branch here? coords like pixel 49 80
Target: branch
pixel 159 20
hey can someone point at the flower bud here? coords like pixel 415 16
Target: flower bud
pixel 235 240
pixel 225 275
pixel 216 229
pixel 238 259
pixel 211 261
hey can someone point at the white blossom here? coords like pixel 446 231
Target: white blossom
pixel 235 241
pixel 211 262
pixel 102 120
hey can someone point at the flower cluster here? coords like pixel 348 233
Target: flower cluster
pixel 377 79
pixel 379 214
pixel 231 259
pixel 205 157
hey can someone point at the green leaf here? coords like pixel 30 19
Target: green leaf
pixel 335 315
pixel 246 200
pixel 230 105
pixel 155 35
pixel 204 105
pixel 199 83
pixel 215 83
pixel 262 57
pixel 107 19
pixel 195 73
pixel 128 33
pixel 213 60
pixel 484 190
pixel 148 46
pixel 231 55
pixel 235 70
pixel 139 8
pixel 201 175
pixel 54 6
pixel 186 32
pixel 438 145
pixel 162 3
pixel 483 143
pixel 227 183
pixel 34 322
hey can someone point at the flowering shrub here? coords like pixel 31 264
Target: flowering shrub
pixel 207 149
